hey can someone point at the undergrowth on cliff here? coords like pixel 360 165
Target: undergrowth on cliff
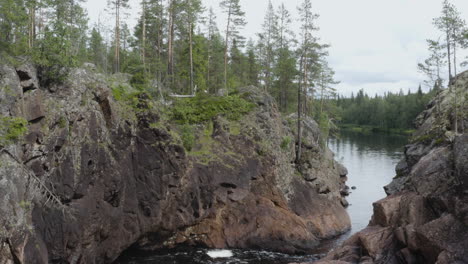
pixel 203 108
pixel 286 142
pixel 187 136
pixel 12 129
pixel 122 94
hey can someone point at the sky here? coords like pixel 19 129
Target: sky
pixel 375 44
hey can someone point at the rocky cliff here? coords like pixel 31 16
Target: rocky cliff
pixel 424 219
pixel 94 177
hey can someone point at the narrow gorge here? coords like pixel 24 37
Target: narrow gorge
pixel 424 219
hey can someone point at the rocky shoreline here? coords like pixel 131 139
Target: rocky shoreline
pixel 424 219
pixel 93 177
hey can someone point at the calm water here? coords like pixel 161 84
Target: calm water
pixel 370 160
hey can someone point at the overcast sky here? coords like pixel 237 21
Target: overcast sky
pixel 375 44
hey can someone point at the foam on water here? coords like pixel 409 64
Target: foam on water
pixel 220 253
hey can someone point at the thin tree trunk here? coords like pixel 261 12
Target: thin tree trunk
pixel 449 57
pixel 170 65
pixel 321 99
pixel 455 57
pixel 191 58
pixel 159 47
pixel 226 48
pixel 456 110
pixel 117 37
pixel 304 90
pixel 208 63
pixel 299 117
pixel 143 44
pixel 32 26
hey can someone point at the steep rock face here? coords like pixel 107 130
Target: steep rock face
pixel 425 217
pixel 93 177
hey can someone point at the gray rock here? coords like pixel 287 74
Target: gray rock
pixel 397 185
pixel 424 218
pixel 402 168
pixel 460 153
pixel 118 178
pixel 342 170
pixel 33 106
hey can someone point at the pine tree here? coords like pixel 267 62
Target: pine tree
pixel 193 10
pixel 150 32
pixel 253 67
pixel 285 69
pixel 12 27
pixel 432 66
pixel 118 8
pixel 215 54
pixel 307 28
pixel 451 25
pixel 267 45
pixel 212 31
pixel 97 49
pixel 235 20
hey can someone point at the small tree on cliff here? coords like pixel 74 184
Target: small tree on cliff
pixel 432 66
pixel 451 25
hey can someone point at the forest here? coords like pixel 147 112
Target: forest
pixel 177 48
pixel 391 111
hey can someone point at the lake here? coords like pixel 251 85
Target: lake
pixel 371 161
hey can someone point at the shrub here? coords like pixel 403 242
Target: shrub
pixel 188 137
pixel 203 108
pixel 285 143
pixel 127 96
pixel 12 129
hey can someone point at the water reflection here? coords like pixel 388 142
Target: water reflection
pixel 371 161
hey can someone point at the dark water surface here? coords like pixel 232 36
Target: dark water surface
pixel 370 160
pixel 199 256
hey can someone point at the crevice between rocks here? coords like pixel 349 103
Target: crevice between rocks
pixel 24 76
pixel 12 252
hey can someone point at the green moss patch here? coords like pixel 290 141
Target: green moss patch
pixel 203 108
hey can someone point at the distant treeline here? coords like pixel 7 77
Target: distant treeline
pixel 391 111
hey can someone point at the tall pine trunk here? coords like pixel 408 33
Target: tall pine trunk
pixel 454 55
pixel 226 48
pixel 170 63
pixel 299 116
pixel 191 57
pixel 159 48
pixel 449 57
pixel 143 39
pixel 32 26
pixel 117 37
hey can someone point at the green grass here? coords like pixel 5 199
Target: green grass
pixel 286 142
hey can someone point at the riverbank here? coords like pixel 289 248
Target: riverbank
pixel 372 129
